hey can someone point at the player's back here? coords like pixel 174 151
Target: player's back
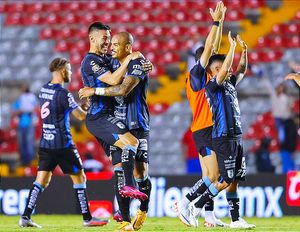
pixel 195 83
pixel 92 67
pixel 56 103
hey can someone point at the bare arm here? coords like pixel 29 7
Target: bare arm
pixel 79 113
pixel 211 38
pixel 116 77
pixel 123 89
pixel 217 43
pixel 118 90
pixel 293 76
pixel 226 66
pixel 243 64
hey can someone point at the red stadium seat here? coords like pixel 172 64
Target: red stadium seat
pixel 66 33
pixel 62 46
pixel 48 33
pixel 141 31
pixel 74 6
pixel 75 58
pixel 144 17
pixel 254 56
pixel 180 16
pixel 163 16
pixel 82 32
pixel 277 42
pixel 278 29
pixel 91 6
pixel 14 19
pixel 263 42
pixel 126 17
pixel 3 7
pixel 234 15
pixel 52 18
pixel 169 57
pixel 54 7
pixel 293 41
pixel 108 18
pixel 33 19
pixel 234 4
pixel 292 28
pixel 36 7
pixel 272 55
pixel 15 7
pixel 254 4
pixel 80 46
pixel 87 18
pixel 198 16
pixel 297 16
pixel 70 18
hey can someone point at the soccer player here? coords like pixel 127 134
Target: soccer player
pixel 202 121
pixel 56 145
pixel 227 131
pixel 131 108
pixel 112 133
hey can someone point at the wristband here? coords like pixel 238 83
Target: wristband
pixel 216 23
pixel 100 91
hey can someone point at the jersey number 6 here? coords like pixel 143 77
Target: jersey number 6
pixel 44 110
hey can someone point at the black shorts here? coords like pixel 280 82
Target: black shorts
pixel 231 159
pixel 105 127
pixel 203 141
pixel 68 160
pixel 142 150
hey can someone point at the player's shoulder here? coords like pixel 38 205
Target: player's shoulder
pixel 138 61
pixel 135 68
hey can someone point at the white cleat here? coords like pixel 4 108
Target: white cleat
pixel 216 223
pixel 185 216
pixel 27 222
pixel 241 224
pixel 220 223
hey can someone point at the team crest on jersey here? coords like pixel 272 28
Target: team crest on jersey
pixel 120 100
pixel 230 173
pixel 120 125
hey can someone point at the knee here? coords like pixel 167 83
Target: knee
pixel 82 176
pixel 212 176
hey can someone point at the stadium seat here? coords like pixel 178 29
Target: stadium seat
pixel 291 28
pixel 52 18
pixel 14 19
pixel 69 18
pixel 35 7
pixel 234 15
pixel 62 46
pixel 16 7
pixel 48 33
pixel 293 41
pixel 278 29
pixel 254 4
pixel 53 6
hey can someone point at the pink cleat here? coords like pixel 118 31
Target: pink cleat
pixel 132 192
pixel 117 216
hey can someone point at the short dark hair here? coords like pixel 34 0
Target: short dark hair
pixel 215 58
pixel 198 53
pixel 58 63
pixel 98 26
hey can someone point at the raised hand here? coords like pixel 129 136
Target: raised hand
pixel 232 41
pixel 217 14
pixel 86 92
pixel 241 43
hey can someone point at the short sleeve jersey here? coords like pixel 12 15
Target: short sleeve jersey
pixel 195 83
pixel 92 68
pixel 56 104
pixel 225 108
pixel 133 109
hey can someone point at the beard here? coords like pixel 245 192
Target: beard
pixel 66 78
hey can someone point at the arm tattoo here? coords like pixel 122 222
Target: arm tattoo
pixel 242 67
pixel 123 89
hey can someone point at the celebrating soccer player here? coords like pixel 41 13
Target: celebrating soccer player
pixel 56 145
pixel 202 122
pixel 132 109
pixel 111 132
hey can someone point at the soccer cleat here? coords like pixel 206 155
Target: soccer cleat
pixel 219 223
pixel 125 226
pixel 132 192
pixel 241 224
pixel 184 214
pixel 95 222
pixel 27 222
pixel 216 223
pixel 139 219
pixel 118 216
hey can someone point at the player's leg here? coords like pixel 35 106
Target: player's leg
pixel 142 176
pixel 232 194
pixel 70 163
pixel 46 164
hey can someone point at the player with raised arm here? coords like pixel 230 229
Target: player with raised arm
pixel 112 133
pixel 202 123
pixel 56 145
pixel 227 131
pixel 132 109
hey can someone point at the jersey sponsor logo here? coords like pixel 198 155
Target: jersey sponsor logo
pixel 136 72
pixel 44 110
pixel 48 126
pixel 95 67
pixel 46 96
pixel 293 188
pixel 137 66
pixel 71 101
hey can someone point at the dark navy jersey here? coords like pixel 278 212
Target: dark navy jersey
pixel 198 77
pixel 224 105
pixel 56 105
pixel 92 68
pixel 133 109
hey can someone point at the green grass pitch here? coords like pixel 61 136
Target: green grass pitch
pixel 73 223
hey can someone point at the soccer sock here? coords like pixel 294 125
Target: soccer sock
pixel 198 189
pixel 234 205
pixel 122 201
pixel 32 199
pixel 209 206
pixel 209 193
pixel 128 154
pixel 145 187
pixel 209 211
pixel 80 190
